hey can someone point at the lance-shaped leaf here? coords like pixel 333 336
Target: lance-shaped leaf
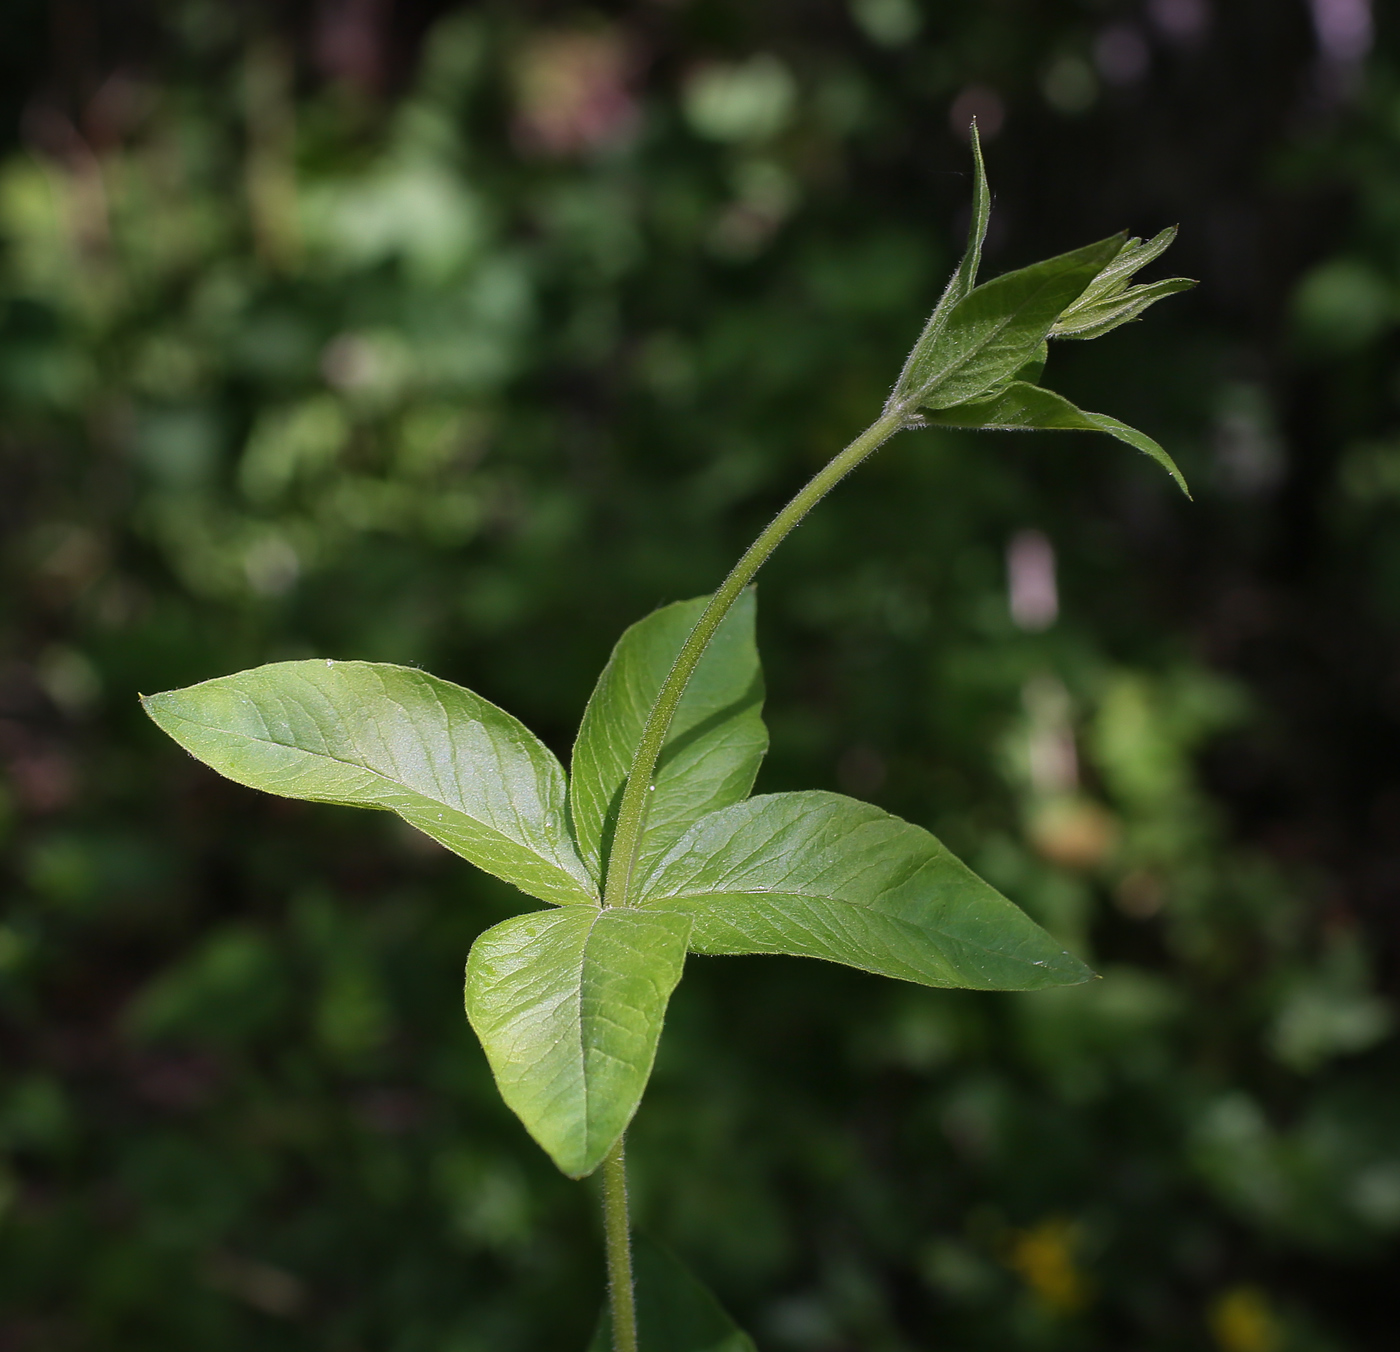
pixel 368 734
pixel 1023 408
pixel 715 745
pixel 960 284
pixel 569 1005
pixel 822 876
pixel 675 1312
pixel 994 331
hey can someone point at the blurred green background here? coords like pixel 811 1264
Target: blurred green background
pixel 462 335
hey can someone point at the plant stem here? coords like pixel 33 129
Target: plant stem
pixel 632 811
pixel 617 1235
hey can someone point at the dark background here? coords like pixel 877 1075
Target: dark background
pixel 461 336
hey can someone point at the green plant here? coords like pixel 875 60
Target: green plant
pixel 652 847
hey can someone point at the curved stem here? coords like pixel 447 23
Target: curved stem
pixel 617 1236
pixel 632 811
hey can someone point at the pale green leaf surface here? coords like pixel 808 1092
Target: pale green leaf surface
pixel 963 280
pixel 569 1005
pixel 1021 408
pixel 675 1311
pixel 716 742
pixel 994 331
pixel 818 875
pixel 368 734
pixel 1093 321
pixel 1131 258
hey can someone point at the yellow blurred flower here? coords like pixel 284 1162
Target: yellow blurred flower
pixel 1241 1321
pixel 1044 1258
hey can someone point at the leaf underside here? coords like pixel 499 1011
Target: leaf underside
pixel 368 734
pixel 714 748
pixel 1022 407
pixel 675 1311
pixel 818 875
pixel 568 1005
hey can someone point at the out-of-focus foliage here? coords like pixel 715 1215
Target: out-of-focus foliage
pixel 470 356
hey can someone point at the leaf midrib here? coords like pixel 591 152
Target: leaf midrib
pixel 582 1049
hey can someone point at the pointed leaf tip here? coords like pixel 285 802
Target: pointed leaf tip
pixel 964 278
pixel 1022 407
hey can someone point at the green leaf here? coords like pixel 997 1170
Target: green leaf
pixel 717 739
pixel 1035 367
pixel 569 1006
pixel 821 876
pixel 991 333
pixel 1131 258
pixel 367 734
pixel 675 1312
pixel 965 278
pixel 1023 408
pixel 1108 302
pixel 961 283
pixel 1093 321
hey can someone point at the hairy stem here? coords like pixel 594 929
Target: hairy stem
pixel 632 811
pixel 617 1235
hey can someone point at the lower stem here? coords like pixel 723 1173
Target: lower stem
pixel 617 1238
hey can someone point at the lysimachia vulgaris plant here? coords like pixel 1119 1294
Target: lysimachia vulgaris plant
pixel 652 848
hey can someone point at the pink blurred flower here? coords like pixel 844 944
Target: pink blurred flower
pixel 571 92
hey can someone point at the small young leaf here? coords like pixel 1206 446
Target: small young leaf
pixel 1022 408
pixel 1131 258
pixel 675 1312
pixel 991 333
pixel 1108 301
pixel 569 1005
pixel 961 283
pixel 1093 321
pixel 367 734
pixel 821 876
pixel 717 739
